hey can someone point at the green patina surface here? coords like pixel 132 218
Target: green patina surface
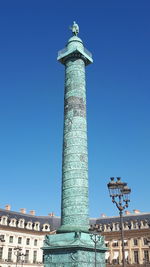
pixel 73 249
pixel 72 245
pixel 74 211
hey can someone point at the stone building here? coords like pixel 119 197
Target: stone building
pixel 136 238
pixel 22 235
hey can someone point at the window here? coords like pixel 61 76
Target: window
pixel 11 239
pixel 34 256
pixel 28 241
pixel 134 225
pixel 125 225
pixel 136 257
pixel 4 220
pixel 2 238
pixel 36 226
pixel 135 242
pixel 145 223
pixel 126 254
pixel 35 242
pixel 116 261
pixel 106 243
pixel 125 242
pixel 19 240
pixel 146 256
pixel 29 225
pixel 116 257
pixel 107 258
pixel 108 227
pixel 46 227
pixel 13 222
pixel 21 223
pixel 115 243
pixel 116 227
pixel 9 254
pixel 145 241
pixel 27 256
pixel 1 253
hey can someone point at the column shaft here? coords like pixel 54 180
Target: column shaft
pixel 74 212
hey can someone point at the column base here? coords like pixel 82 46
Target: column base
pixel 73 228
pixel 75 249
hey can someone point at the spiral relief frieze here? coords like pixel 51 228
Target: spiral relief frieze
pixel 75 156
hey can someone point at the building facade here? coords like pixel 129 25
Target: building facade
pixel 22 235
pixel 136 238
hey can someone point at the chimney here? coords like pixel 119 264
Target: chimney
pixel 136 211
pixel 23 210
pixel 127 212
pixel 51 214
pixel 32 212
pixel 7 207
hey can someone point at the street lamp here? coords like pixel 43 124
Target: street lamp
pixel 95 238
pixel 22 260
pixel 119 192
pixel 17 253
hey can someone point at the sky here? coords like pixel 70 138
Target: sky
pixel 32 92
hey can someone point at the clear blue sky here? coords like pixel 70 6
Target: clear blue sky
pixel 31 103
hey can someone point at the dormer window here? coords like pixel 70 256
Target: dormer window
pixel 37 226
pixel 29 225
pixel 46 227
pixel 145 223
pixel 126 226
pixel 21 223
pixel 4 220
pixel 116 226
pixel 134 225
pixel 12 222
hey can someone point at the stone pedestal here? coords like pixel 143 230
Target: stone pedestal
pixel 73 249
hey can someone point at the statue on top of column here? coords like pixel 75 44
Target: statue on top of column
pixel 75 28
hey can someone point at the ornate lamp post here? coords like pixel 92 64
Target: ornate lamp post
pixel 17 253
pixel 119 192
pixel 22 258
pixel 95 238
